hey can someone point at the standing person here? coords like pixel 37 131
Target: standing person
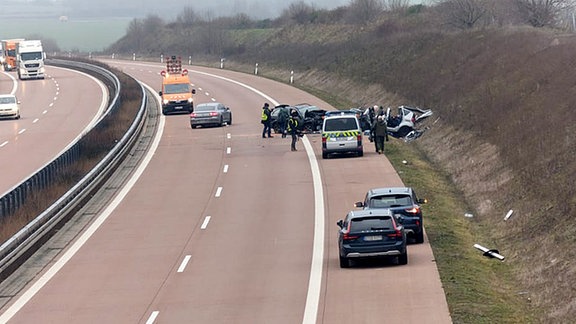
pixel 380 133
pixel 283 121
pixel 266 120
pixel 293 125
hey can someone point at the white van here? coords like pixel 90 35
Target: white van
pixel 341 134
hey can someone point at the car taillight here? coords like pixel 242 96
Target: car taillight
pixel 397 234
pixel 348 237
pixel 413 210
pixel 193 115
pixel 213 113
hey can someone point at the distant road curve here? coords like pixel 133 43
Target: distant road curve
pixel 55 111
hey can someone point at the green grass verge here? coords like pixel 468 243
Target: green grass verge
pixel 478 289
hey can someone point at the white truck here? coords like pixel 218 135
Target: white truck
pixel 30 59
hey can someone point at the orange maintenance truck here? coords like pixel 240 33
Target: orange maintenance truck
pixel 9 47
pixel 176 90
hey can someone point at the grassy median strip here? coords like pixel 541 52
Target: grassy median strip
pixel 478 289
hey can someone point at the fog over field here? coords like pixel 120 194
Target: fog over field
pixel 140 8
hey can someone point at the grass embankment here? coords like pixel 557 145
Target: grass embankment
pixel 478 289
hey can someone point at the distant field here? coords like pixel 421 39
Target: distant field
pixel 90 35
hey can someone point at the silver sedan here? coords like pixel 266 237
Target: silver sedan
pixel 210 114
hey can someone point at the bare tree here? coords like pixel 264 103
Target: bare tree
pixel 541 13
pixel 463 14
pixel 299 12
pixel 187 17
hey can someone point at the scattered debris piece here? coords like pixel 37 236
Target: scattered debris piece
pixel 491 253
pixel 508 214
pixel 404 162
pixel 468 215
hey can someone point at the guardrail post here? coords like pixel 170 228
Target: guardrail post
pixel 291 77
pixel 256 69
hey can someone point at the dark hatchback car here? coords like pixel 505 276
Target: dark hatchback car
pixel 371 234
pixel 403 203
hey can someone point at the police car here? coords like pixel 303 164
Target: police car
pixel 341 134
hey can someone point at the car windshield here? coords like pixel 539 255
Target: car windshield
pixel 390 201
pixel 205 108
pixel 7 100
pixel 340 124
pixel 371 224
pixel 176 88
pixel 31 56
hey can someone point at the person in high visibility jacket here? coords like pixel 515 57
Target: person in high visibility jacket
pixel 293 128
pixel 266 120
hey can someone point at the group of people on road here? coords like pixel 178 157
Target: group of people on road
pixel 288 123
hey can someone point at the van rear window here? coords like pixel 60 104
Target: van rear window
pixel 340 124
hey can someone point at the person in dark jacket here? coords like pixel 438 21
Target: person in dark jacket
pixel 266 120
pixel 380 133
pixel 293 129
pixel 283 121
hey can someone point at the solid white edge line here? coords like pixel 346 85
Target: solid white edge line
pixel 184 263
pixel 25 298
pixel 315 281
pixel 205 223
pixel 152 317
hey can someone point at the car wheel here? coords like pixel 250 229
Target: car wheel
pixel 344 262
pixel 230 120
pixel 361 153
pixel 164 112
pixel 404 130
pixel 420 237
pixel 403 259
pixel 221 121
pixel 193 126
pixel 324 155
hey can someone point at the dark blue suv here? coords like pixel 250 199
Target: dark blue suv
pixel 371 234
pixel 403 203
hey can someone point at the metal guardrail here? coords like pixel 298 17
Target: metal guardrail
pixel 20 245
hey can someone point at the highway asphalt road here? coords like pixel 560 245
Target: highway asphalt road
pixel 55 111
pixel 223 226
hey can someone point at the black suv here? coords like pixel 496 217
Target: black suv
pixel 371 234
pixel 403 203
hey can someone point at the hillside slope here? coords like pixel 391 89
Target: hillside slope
pixel 503 128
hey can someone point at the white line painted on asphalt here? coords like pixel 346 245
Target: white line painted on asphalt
pixel 213 99
pixel 21 131
pixel 226 168
pixel 228 150
pixel 229 136
pixel 218 192
pixel 152 317
pixel 315 281
pixel 44 112
pixel 55 98
pixel 35 121
pixel 205 223
pixel 51 104
pixel 184 263
pixel 3 144
pixel 207 94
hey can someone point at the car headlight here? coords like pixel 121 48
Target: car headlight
pixel 190 100
pixel 165 101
